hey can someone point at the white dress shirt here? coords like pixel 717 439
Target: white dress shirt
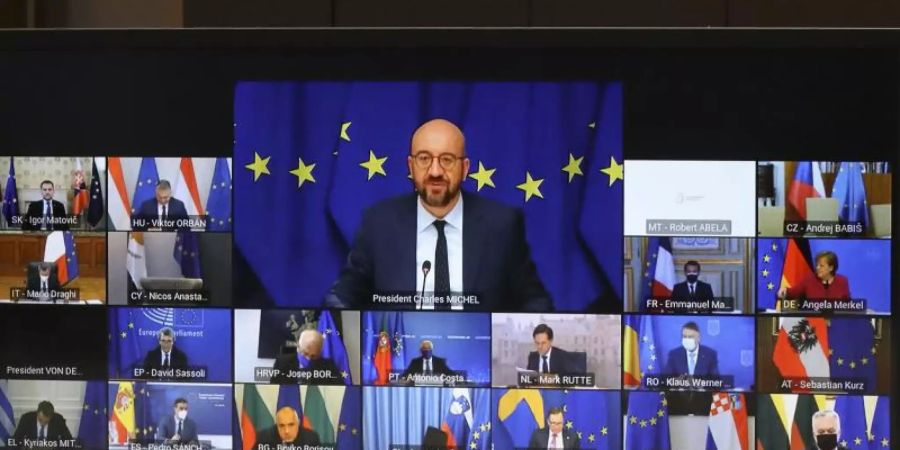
pixel 426 242
pixel 554 445
pixel 426 365
pixel 541 360
pixel 693 354
pixel 162 361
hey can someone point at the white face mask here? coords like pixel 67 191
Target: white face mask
pixel 689 344
pixel 44 279
pixel 181 414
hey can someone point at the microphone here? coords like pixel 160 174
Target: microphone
pixel 426 269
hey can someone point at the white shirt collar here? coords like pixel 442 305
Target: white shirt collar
pixel 454 218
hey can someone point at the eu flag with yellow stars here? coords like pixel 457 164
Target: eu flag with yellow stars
pixel 594 416
pixel 94 417
pixel 770 264
pixel 647 421
pixel 311 156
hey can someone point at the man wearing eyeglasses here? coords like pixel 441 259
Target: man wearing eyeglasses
pixel 440 241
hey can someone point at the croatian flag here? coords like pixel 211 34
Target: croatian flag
pixel 60 250
pixel 727 423
pixel 659 271
pixel 458 421
pixel 186 188
pixel 807 183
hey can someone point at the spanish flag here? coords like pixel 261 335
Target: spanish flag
pixel 122 416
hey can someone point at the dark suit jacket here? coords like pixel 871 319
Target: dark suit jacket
pixel 27 428
pixel 270 437
pixel 703 291
pixel 541 437
pixel 148 212
pixel 497 263
pixel 560 361
pixel 707 362
pixel 153 359
pixel 34 281
pixel 36 209
pixel 167 428
pixel 812 288
pixel 438 367
pixel 289 363
pixel 815 447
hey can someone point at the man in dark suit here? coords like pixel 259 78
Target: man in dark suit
pixel 178 427
pixel 42 282
pixel 308 358
pixel 427 364
pixel 473 245
pixel 826 426
pixel 162 207
pixel 164 356
pixel 40 213
pixel 287 432
pixel 692 359
pixel 554 436
pixel 547 358
pixel 692 288
pixel 43 424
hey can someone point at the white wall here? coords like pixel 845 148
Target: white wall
pixel 67 398
pixel 689 432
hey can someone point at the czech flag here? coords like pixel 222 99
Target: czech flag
pixel 807 183
pixel 60 250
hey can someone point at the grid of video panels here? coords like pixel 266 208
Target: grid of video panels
pixel 689 304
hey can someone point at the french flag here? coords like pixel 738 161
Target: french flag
pixel 458 421
pixel 659 273
pixel 727 423
pixel 186 188
pixel 807 183
pixel 60 250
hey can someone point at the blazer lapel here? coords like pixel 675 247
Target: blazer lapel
pixel 406 248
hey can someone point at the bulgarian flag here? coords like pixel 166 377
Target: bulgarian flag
pixel 315 415
pixel 728 423
pixel 801 350
pixel 254 416
pixel 121 420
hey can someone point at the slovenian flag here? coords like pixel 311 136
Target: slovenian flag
pixel 801 349
pixel 457 422
pixel 807 183
pixel 727 423
pixel 659 273
pixel 60 250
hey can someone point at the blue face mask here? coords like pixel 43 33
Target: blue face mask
pixel 426 354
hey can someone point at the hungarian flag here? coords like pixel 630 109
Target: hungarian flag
pixel 60 250
pixel 119 205
pixel 122 423
pixel 79 189
pixel 807 183
pixel 186 188
pixel 801 350
pixel 727 423
pixel 659 271
pixel 801 429
pixel 770 424
pixel 254 416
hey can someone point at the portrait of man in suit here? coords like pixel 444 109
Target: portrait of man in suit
pixel 44 424
pixel 473 245
pixel 165 355
pixel 286 432
pixel 692 359
pixel 546 358
pixel 42 282
pixel 308 357
pixel 41 212
pixel 554 436
pixel 177 427
pixel 427 364
pixel 692 288
pixel 163 206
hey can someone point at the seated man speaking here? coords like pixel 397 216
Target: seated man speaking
pixel 470 245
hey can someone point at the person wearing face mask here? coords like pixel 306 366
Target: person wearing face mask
pixel 308 358
pixel 826 426
pixel 427 364
pixel 692 288
pixel 164 356
pixel 42 286
pixel 178 427
pixel 692 359
pixel 41 212
pixel 45 424
pixel 825 284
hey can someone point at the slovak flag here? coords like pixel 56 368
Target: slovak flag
pixel 727 423
pixel 802 350
pixel 458 421
pixel 807 183
pixel 186 188
pixel 60 250
pixel 659 271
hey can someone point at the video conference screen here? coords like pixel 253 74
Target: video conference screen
pixel 416 265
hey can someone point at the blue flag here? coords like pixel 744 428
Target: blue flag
pixel 187 253
pixel 880 428
pixel 96 206
pixel 850 192
pixel 517 413
pixel 289 395
pixel 370 345
pixel 11 195
pixel 853 350
pixel 593 415
pixel 218 204
pixel 94 417
pixel 396 330
pixel 7 419
pixel 647 421
pixel 852 412
pixel 552 149
pixel 480 437
pixel 333 345
pixel 770 264
pixel 145 187
pixel 349 430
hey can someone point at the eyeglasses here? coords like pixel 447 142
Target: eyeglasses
pixel 424 160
